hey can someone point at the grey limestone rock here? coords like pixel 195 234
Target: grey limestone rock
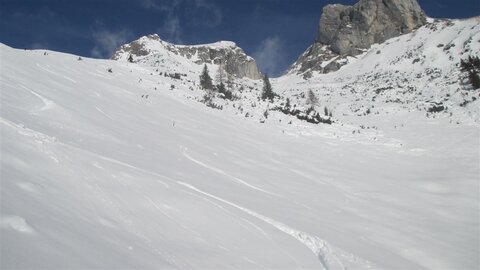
pixel 350 30
pixel 233 58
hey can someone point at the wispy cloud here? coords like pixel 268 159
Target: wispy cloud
pixel 106 41
pixel 270 55
pixel 207 13
pixel 171 29
pixel 39 45
pixel 149 4
pixel 43 15
pixel 180 13
pixel 166 6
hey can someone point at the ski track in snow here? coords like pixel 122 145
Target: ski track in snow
pixel 185 154
pixel 104 113
pixel 134 168
pixel 55 73
pixel 47 103
pixel 329 259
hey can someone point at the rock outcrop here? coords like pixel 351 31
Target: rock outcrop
pixel 350 30
pixel 233 58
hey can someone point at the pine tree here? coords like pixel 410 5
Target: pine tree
pixel 221 88
pixel 267 92
pixel 229 80
pixel 130 58
pixel 312 99
pixel 287 104
pixel 221 76
pixel 205 79
pixel 474 79
pixel 472 67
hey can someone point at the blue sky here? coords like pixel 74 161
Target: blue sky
pixel 275 32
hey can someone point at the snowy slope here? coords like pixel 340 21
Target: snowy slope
pixel 404 74
pixel 96 174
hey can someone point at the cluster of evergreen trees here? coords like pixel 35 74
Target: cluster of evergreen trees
pixel 472 66
pixel 267 94
pixel 310 115
pixel 207 84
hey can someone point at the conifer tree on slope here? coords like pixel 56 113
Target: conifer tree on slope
pixel 220 77
pixel 267 92
pixel 312 99
pixel 205 79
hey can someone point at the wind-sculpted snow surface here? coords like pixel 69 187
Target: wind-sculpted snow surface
pixel 110 165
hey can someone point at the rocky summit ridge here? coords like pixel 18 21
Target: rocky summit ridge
pixel 349 30
pixel 225 53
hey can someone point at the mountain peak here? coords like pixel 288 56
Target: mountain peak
pixel 232 58
pixel 223 44
pixel 350 30
pixel 216 45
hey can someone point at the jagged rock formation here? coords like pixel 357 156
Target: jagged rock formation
pixel 349 30
pixel 318 57
pixel 233 58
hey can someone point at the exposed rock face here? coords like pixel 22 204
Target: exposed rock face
pixel 233 58
pixel 349 30
pixel 318 57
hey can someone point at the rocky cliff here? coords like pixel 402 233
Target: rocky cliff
pixel 232 58
pixel 350 30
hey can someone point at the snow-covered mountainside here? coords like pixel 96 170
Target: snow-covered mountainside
pixel 417 72
pixel 350 30
pixel 112 164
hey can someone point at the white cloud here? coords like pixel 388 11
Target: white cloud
pixel 106 42
pixel 39 45
pixel 149 4
pixel 178 13
pixel 171 29
pixel 270 55
pixel 207 13
pixel 166 6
